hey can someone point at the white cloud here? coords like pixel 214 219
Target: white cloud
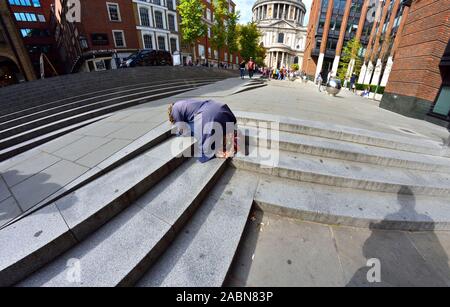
pixel 245 7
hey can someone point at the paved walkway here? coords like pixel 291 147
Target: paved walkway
pixel 277 251
pixel 33 176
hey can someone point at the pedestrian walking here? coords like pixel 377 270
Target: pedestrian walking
pixel 251 67
pixel 353 83
pixel 330 75
pixel 242 69
pixel 319 81
pixel 346 83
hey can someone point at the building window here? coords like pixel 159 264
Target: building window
pixel 171 19
pixel 159 20
pixel 280 38
pixel 157 2
pixel 209 32
pixel 119 39
pixel 148 41
pixel 161 43
pixel 216 54
pixel 113 11
pixel 170 5
pixel 208 14
pixel 145 17
pixel 225 57
pixel 29 17
pixel 34 3
pixel 99 39
pixel 173 45
pixel 201 51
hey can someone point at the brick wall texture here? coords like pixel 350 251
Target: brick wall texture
pixel 422 45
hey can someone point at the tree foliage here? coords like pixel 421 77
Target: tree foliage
pixel 192 25
pixel 248 42
pixel 219 31
pixel 232 32
pixel 351 50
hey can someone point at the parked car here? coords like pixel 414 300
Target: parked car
pixel 148 57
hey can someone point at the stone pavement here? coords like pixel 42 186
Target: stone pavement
pixel 278 251
pixel 33 176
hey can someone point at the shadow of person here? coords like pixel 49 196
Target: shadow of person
pixel 21 192
pixel 404 258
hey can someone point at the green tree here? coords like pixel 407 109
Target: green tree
pixel 350 51
pixel 219 28
pixel 232 32
pixel 249 42
pixel 192 25
pixel 260 55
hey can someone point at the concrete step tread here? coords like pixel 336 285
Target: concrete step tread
pixel 24 146
pixel 350 207
pixel 343 173
pixel 66 106
pixel 349 151
pixel 118 252
pixel 94 112
pixel 202 253
pixel 90 95
pixel 48 115
pixel 140 145
pixel 344 133
pixel 80 213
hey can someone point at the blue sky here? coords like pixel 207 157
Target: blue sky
pixel 245 7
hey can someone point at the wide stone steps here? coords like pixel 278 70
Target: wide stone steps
pixel 105 105
pixel 149 140
pixel 345 174
pixel 120 252
pixel 329 148
pixel 342 133
pixel 202 253
pixel 23 96
pixel 34 142
pixel 26 115
pixel 40 237
pixel 350 207
pixel 74 119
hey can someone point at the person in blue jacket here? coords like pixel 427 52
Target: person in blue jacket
pixel 205 119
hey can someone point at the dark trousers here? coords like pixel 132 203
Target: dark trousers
pixel 242 72
pixel 250 73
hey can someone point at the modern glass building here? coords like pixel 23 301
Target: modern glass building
pixel 334 22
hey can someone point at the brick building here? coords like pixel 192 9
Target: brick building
pixel 99 38
pixel 15 64
pixel 33 19
pixel 206 54
pixel 419 83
